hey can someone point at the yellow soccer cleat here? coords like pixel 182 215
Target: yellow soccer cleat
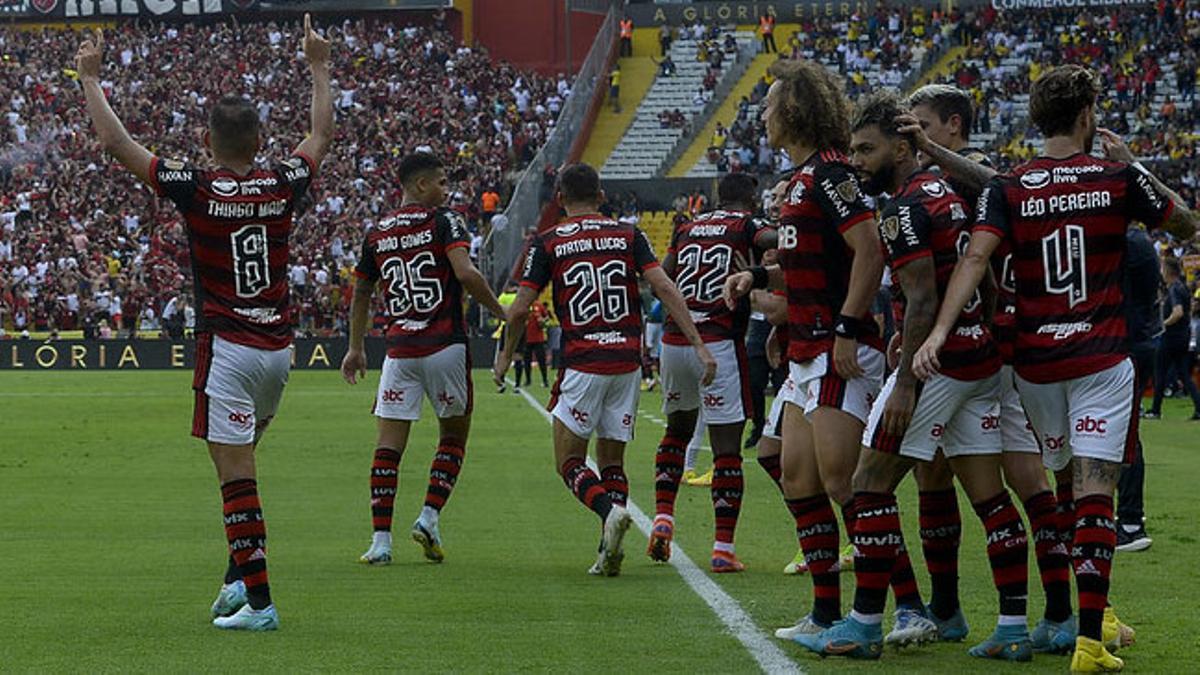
pixel 797 565
pixel 1115 634
pixel 846 559
pixel 688 476
pixel 1091 657
pixel 703 480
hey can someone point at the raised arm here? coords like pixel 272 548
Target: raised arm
pixel 111 133
pixel 1182 222
pixel 964 170
pixel 316 52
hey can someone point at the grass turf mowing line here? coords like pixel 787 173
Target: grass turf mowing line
pixel 768 656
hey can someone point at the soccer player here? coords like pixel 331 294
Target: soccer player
pixel 921 228
pixel 703 252
pixel 594 263
pixel 830 263
pixel 940 123
pixel 238 219
pixel 419 255
pixel 1064 215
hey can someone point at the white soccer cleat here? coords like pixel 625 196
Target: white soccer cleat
pixel 805 626
pixel 248 618
pixel 912 627
pixel 611 554
pixel 230 599
pixel 425 533
pixel 380 553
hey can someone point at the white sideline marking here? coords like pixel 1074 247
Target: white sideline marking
pixel 769 656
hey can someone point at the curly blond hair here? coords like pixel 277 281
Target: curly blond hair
pixel 813 105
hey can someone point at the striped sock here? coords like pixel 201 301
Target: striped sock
pixel 1053 559
pixel 668 471
pixel 1064 512
pixel 1092 553
pixel 616 483
pixel 586 487
pixel 246 531
pixel 443 473
pixel 817 530
pixel 385 477
pixel 941 534
pixel 1008 552
pixel 727 487
pixel 904 582
pixel 774 469
pixel 878 542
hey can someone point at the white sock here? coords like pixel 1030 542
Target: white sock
pixel 429 515
pixel 1012 620
pixel 663 516
pixel 382 539
pixel 867 619
pixel 689 457
pixel 1131 528
pixel 722 546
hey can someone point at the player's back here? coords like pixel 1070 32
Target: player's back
pixel 1065 220
pixel 927 218
pixel 706 251
pixel 594 263
pixel 238 229
pixel 407 250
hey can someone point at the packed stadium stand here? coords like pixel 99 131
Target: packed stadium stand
pixel 82 242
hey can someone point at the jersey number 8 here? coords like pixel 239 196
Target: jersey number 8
pixel 251 266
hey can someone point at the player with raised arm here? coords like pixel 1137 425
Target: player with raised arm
pixel 419 255
pixel 940 123
pixel 830 264
pixel 238 219
pixel 594 263
pixel 703 252
pixel 1064 215
pixel 922 228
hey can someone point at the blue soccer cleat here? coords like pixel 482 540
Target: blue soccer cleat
pixel 1007 643
pixel 848 638
pixel 1054 637
pixel 954 629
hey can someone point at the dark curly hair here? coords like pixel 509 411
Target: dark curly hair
pixel 880 108
pixel 814 107
pixel 1059 95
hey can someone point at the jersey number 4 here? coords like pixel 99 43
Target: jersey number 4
pixel 692 260
pixel 251 264
pixel 601 292
pixel 1065 263
pixel 408 287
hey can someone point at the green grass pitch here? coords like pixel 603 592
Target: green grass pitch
pixel 112 547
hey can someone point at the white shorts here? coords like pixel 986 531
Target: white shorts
pixel 958 417
pixel 605 404
pixel 1016 433
pixel 444 377
pixel 1090 416
pixel 817 385
pixel 237 389
pixel 774 424
pixel 725 400
pixel 652 339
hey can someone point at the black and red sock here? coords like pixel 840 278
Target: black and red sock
pixel 817 531
pixel 1064 512
pixel 941 535
pixel 443 473
pixel 668 471
pixel 586 486
pixel 904 582
pixel 1053 559
pixel 385 477
pixel 1092 553
pixel 878 542
pixel 1008 552
pixel 728 484
pixel 246 531
pixel 773 467
pixel 616 483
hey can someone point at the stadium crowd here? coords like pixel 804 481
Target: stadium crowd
pixel 84 246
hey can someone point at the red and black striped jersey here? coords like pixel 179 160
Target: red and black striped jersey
pixel 1065 220
pixel 422 297
pixel 823 201
pixel 927 219
pixel 238 228
pixel 706 251
pixel 594 263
